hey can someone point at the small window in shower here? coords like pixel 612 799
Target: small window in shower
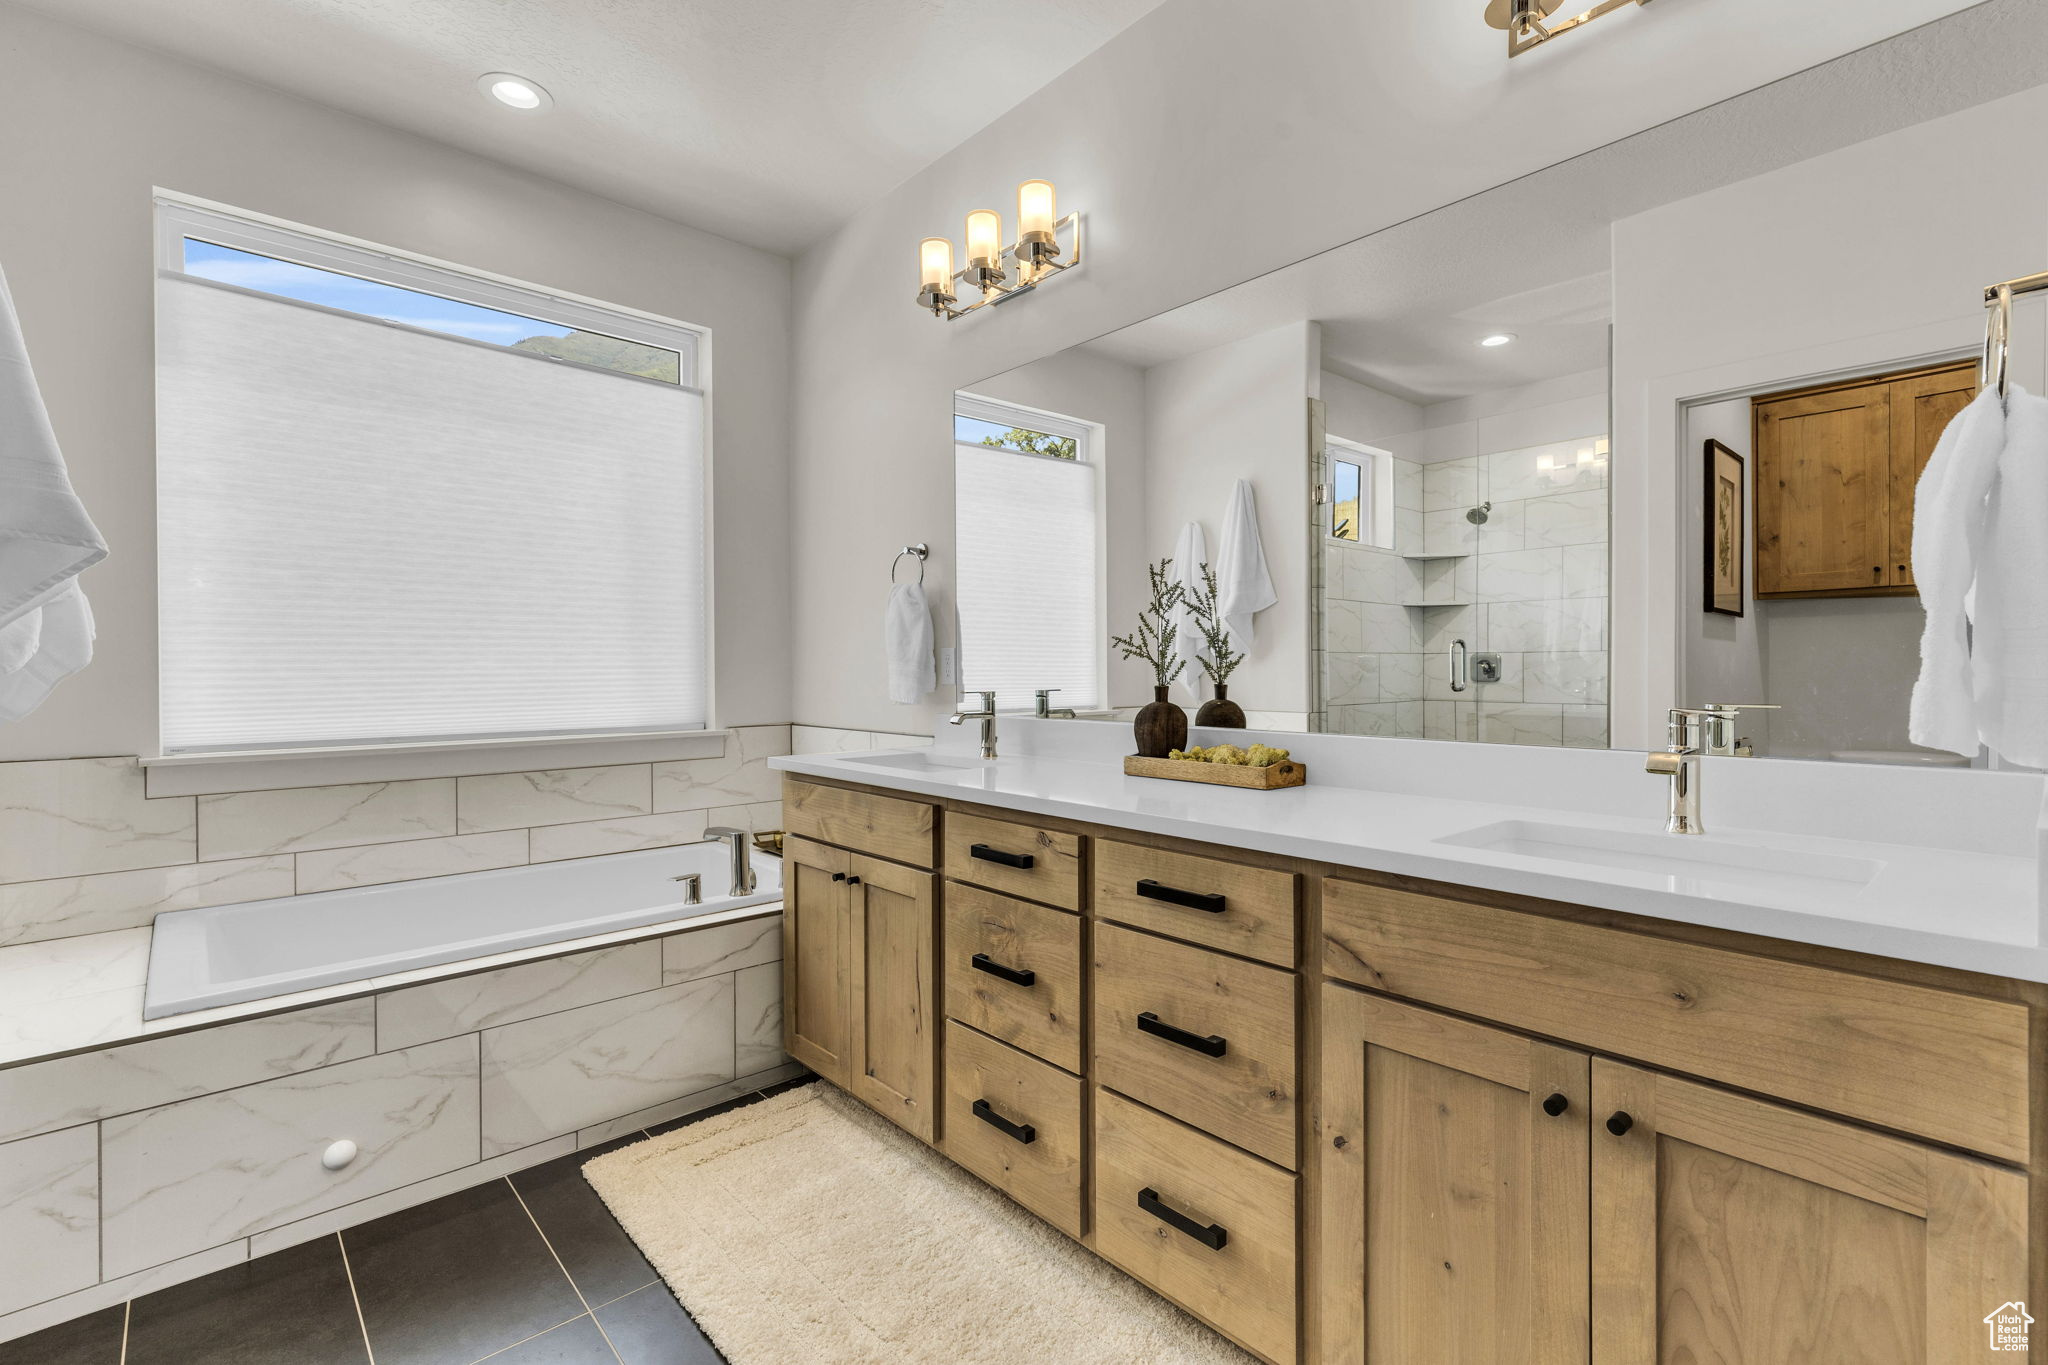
pixel 1347 499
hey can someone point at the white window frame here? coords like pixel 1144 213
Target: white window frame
pixel 1091 448
pixel 178 216
pixel 1376 473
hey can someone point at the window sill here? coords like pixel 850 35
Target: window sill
pixel 209 774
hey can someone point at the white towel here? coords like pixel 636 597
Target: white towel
pixel 1243 587
pixel 907 641
pixel 46 540
pixel 1948 532
pixel 1190 553
pixel 2010 642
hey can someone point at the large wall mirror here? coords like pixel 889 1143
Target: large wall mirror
pixel 1640 431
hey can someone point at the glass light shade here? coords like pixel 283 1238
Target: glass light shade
pixel 935 264
pixel 984 238
pixel 1035 211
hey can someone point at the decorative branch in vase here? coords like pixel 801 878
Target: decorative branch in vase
pixel 1219 661
pixel 1160 727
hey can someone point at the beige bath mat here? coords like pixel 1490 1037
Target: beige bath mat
pixel 805 1230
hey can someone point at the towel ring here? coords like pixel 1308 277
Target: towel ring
pixel 919 552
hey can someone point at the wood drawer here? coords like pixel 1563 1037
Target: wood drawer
pixel 987 852
pixel 1245 910
pixel 990 939
pixel 1240 1010
pixel 1246 1286
pixel 1039 1167
pixel 204 1171
pixel 885 826
pixel 1936 1063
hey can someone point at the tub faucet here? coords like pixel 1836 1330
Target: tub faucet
pixel 1047 711
pixel 987 716
pixel 1690 732
pixel 742 856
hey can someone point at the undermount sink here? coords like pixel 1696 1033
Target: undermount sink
pixel 1696 860
pixel 921 761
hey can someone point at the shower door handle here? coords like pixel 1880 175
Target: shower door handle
pixel 1455 659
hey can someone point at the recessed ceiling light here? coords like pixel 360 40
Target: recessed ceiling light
pixel 514 92
pixel 1497 339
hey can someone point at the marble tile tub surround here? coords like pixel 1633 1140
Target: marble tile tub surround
pixel 147 1164
pixel 1952 860
pixel 84 849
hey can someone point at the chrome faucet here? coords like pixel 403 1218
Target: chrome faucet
pixel 987 716
pixel 742 856
pixel 1046 710
pixel 1689 733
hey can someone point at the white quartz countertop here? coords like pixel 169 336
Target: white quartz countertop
pixel 78 994
pixel 1977 909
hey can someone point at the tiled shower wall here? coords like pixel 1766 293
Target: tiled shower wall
pixel 87 850
pixel 1530 584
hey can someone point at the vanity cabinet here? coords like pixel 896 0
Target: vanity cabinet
pixel 1835 471
pixel 860 1004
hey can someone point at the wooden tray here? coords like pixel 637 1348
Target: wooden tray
pixel 1285 773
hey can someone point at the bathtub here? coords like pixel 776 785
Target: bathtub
pixel 230 954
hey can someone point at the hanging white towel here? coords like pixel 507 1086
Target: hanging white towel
pixel 46 540
pixel 907 641
pixel 1243 587
pixel 1948 531
pixel 1190 553
pixel 2009 669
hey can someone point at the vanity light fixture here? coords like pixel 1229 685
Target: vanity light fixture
pixel 515 92
pixel 1529 22
pixel 995 274
pixel 1497 339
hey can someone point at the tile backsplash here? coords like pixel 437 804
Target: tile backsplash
pixel 84 850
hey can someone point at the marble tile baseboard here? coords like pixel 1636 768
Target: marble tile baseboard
pixel 64 907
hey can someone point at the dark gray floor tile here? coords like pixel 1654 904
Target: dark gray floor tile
pixel 291 1307
pixel 94 1339
pixel 595 1250
pixel 573 1343
pixel 771 1091
pixel 722 1107
pixel 648 1328
pixel 456 1279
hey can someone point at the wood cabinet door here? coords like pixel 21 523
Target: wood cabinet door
pixel 893 1047
pixel 1922 407
pixel 1823 491
pixel 1732 1230
pixel 1453 1225
pixel 816 971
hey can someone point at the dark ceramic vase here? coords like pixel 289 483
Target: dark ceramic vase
pixel 1161 727
pixel 1220 712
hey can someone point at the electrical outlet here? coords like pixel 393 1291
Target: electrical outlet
pixel 946 677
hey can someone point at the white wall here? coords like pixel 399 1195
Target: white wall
pixel 1342 116
pixel 1362 413
pixel 1240 411
pixel 88 127
pixel 1862 259
pixel 1724 655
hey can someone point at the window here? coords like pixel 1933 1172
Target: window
pixel 401 503
pixel 1344 500
pixel 1361 494
pixel 1028 534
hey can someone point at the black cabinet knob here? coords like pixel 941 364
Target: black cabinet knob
pixel 838 876
pixel 1619 1122
pixel 853 881
pixel 1555 1105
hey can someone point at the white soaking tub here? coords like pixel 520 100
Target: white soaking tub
pixel 229 954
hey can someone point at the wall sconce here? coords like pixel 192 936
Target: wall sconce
pixel 1528 22
pixel 1034 258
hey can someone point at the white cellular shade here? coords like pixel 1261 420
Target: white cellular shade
pixel 1026 545
pixel 369 534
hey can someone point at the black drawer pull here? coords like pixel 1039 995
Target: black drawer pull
pixel 1213 1236
pixel 1020 976
pixel 1211 1046
pixel 1022 1132
pixel 996 855
pixel 1194 900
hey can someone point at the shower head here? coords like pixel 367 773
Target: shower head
pixel 1477 516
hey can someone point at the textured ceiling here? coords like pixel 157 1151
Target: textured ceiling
pixel 769 121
